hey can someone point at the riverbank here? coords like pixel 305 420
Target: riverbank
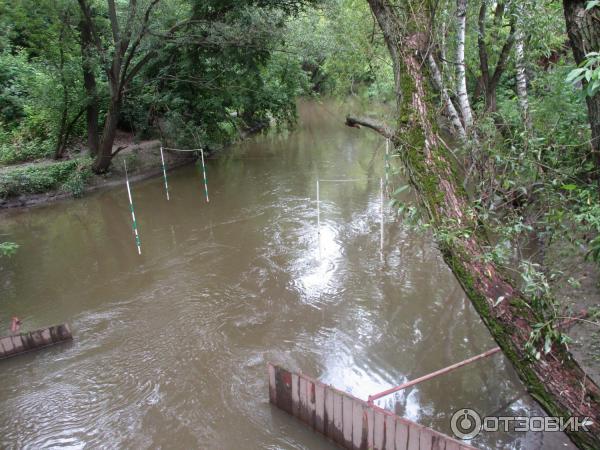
pixel 40 182
pixel 578 291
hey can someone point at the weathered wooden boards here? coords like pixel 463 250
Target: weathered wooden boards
pixel 33 340
pixel 350 422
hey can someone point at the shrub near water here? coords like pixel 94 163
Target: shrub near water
pixel 68 176
pixel 24 151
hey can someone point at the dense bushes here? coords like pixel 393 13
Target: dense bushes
pixel 69 176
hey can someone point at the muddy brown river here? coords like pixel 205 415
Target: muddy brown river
pixel 171 347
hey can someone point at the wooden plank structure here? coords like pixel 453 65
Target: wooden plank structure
pixel 34 340
pixel 349 421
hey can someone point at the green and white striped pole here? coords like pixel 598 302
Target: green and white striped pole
pixel 387 162
pixel 162 158
pixel 381 217
pixel 204 172
pixel 135 229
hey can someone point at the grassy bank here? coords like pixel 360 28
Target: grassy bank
pixel 70 177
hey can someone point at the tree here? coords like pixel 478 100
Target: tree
pixel 129 53
pixel 43 30
pixel 555 379
pixel 461 72
pixel 135 38
pixel 520 63
pixel 489 80
pixel 583 28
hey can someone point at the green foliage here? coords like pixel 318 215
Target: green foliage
pixel 339 62
pixel 8 248
pixel 592 4
pixel 14 70
pixel 24 150
pixel 77 181
pixel 589 71
pixel 208 94
pixel 40 178
pixel 40 71
pixel 545 332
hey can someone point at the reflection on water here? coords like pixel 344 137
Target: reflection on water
pixel 170 347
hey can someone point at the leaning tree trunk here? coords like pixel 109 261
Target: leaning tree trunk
pixel 555 380
pixel 583 28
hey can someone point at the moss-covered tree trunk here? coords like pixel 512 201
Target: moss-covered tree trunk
pixel 555 380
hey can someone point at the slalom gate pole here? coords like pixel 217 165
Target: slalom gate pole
pixel 381 212
pixel 387 162
pixel 135 229
pixel 204 173
pixel 318 210
pixel 162 158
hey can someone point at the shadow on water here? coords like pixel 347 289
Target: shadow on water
pixel 171 347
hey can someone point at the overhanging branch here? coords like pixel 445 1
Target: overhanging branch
pixel 375 125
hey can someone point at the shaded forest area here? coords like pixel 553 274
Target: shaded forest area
pixel 497 127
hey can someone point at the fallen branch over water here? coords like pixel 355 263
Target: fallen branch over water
pixel 379 127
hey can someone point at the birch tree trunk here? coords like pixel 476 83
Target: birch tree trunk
pixel 520 63
pixel 451 111
pixel 461 76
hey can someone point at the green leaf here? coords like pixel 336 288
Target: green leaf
pixel 593 88
pixel 592 4
pixel 401 189
pixel 574 74
pixel 569 187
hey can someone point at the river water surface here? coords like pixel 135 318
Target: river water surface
pixel 171 347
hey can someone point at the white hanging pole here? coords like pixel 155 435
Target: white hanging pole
pixel 204 172
pixel 381 195
pixel 387 161
pixel 162 158
pixel 318 210
pixel 135 229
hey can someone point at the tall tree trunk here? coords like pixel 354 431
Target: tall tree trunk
pixel 555 380
pixel 461 75
pixel 89 79
pixel 125 63
pixel 105 153
pixel 489 81
pixel 583 28
pixel 61 140
pixel 451 111
pixel 521 70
